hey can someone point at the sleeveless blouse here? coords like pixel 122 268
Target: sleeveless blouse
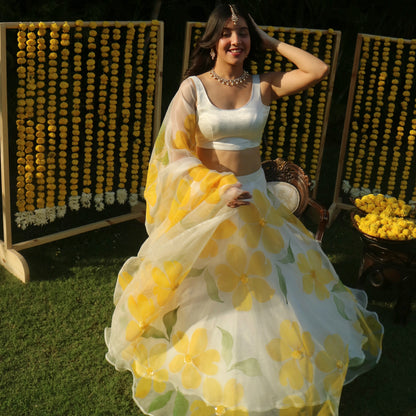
pixel 230 129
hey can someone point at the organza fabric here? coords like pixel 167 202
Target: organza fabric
pixel 231 311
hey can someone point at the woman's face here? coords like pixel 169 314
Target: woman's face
pixel 234 43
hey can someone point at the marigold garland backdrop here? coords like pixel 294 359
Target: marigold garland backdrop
pixel 84 101
pixel 378 145
pixel 297 125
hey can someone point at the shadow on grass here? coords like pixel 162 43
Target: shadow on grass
pixel 107 247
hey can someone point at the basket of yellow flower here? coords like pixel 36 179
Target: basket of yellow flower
pixel 386 220
pixel 388 232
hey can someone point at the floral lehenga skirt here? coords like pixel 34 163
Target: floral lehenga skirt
pixel 242 314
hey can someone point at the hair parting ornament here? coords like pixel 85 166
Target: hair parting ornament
pixel 234 16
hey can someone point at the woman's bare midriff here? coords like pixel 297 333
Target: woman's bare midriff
pixel 239 162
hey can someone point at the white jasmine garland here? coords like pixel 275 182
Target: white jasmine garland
pixel 110 198
pixel 346 186
pixel 73 202
pixel 50 214
pixel 99 202
pixel 133 200
pixel 121 196
pixel 41 216
pixel 61 211
pixel 86 200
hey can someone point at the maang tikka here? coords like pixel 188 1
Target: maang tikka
pixel 234 16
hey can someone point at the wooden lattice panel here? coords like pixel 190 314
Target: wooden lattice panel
pixel 378 143
pixel 87 108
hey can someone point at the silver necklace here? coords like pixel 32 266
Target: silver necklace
pixel 230 82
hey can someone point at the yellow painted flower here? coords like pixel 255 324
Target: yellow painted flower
pixel 211 183
pixel 294 349
pixel 245 277
pixel 150 193
pixel 262 220
pixel 143 309
pixel 225 230
pixel 167 281
pixel 182 139
pixel 372 331
pixel 300 405
pixel 193 358
pixel 333 361
pixel 229 397
pixel 315 276
pixel 148 366
pixel 124 279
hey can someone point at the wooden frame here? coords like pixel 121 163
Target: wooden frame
pixel 388 75
pixel 310 161
pixel 11 259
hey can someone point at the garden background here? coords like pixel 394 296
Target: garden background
pixel 51 330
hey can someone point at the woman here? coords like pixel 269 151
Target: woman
pixel 230 307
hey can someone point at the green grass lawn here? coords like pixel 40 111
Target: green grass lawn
pixel 51 335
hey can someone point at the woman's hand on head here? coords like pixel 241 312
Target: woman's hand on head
pixel 237 197
pixel 267 42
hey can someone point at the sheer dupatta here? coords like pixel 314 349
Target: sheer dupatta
pixel 180 189
pixel 185 204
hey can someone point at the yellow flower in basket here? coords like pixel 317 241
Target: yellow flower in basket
pixel 385 217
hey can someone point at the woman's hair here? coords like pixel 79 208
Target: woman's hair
pixel 201 60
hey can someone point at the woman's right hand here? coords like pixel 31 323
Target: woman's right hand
pixel 237 196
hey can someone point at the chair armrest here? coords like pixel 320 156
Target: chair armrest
pixel 323 218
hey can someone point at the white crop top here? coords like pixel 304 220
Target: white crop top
pixel 234 129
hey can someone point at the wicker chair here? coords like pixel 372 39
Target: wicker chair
pixel 282 171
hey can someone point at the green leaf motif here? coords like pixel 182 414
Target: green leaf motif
pixel 339 287
pixel 341 308
pixel 212 288
pixel 290 258
pixel 160 401
pixel 282 282
pixel 249 367
pixel 169 321
pixel 181 405
pixel 227 345
pixel 355 362
pixel 152 332
pixel 195 273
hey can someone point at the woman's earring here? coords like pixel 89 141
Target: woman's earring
pixel 212 54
